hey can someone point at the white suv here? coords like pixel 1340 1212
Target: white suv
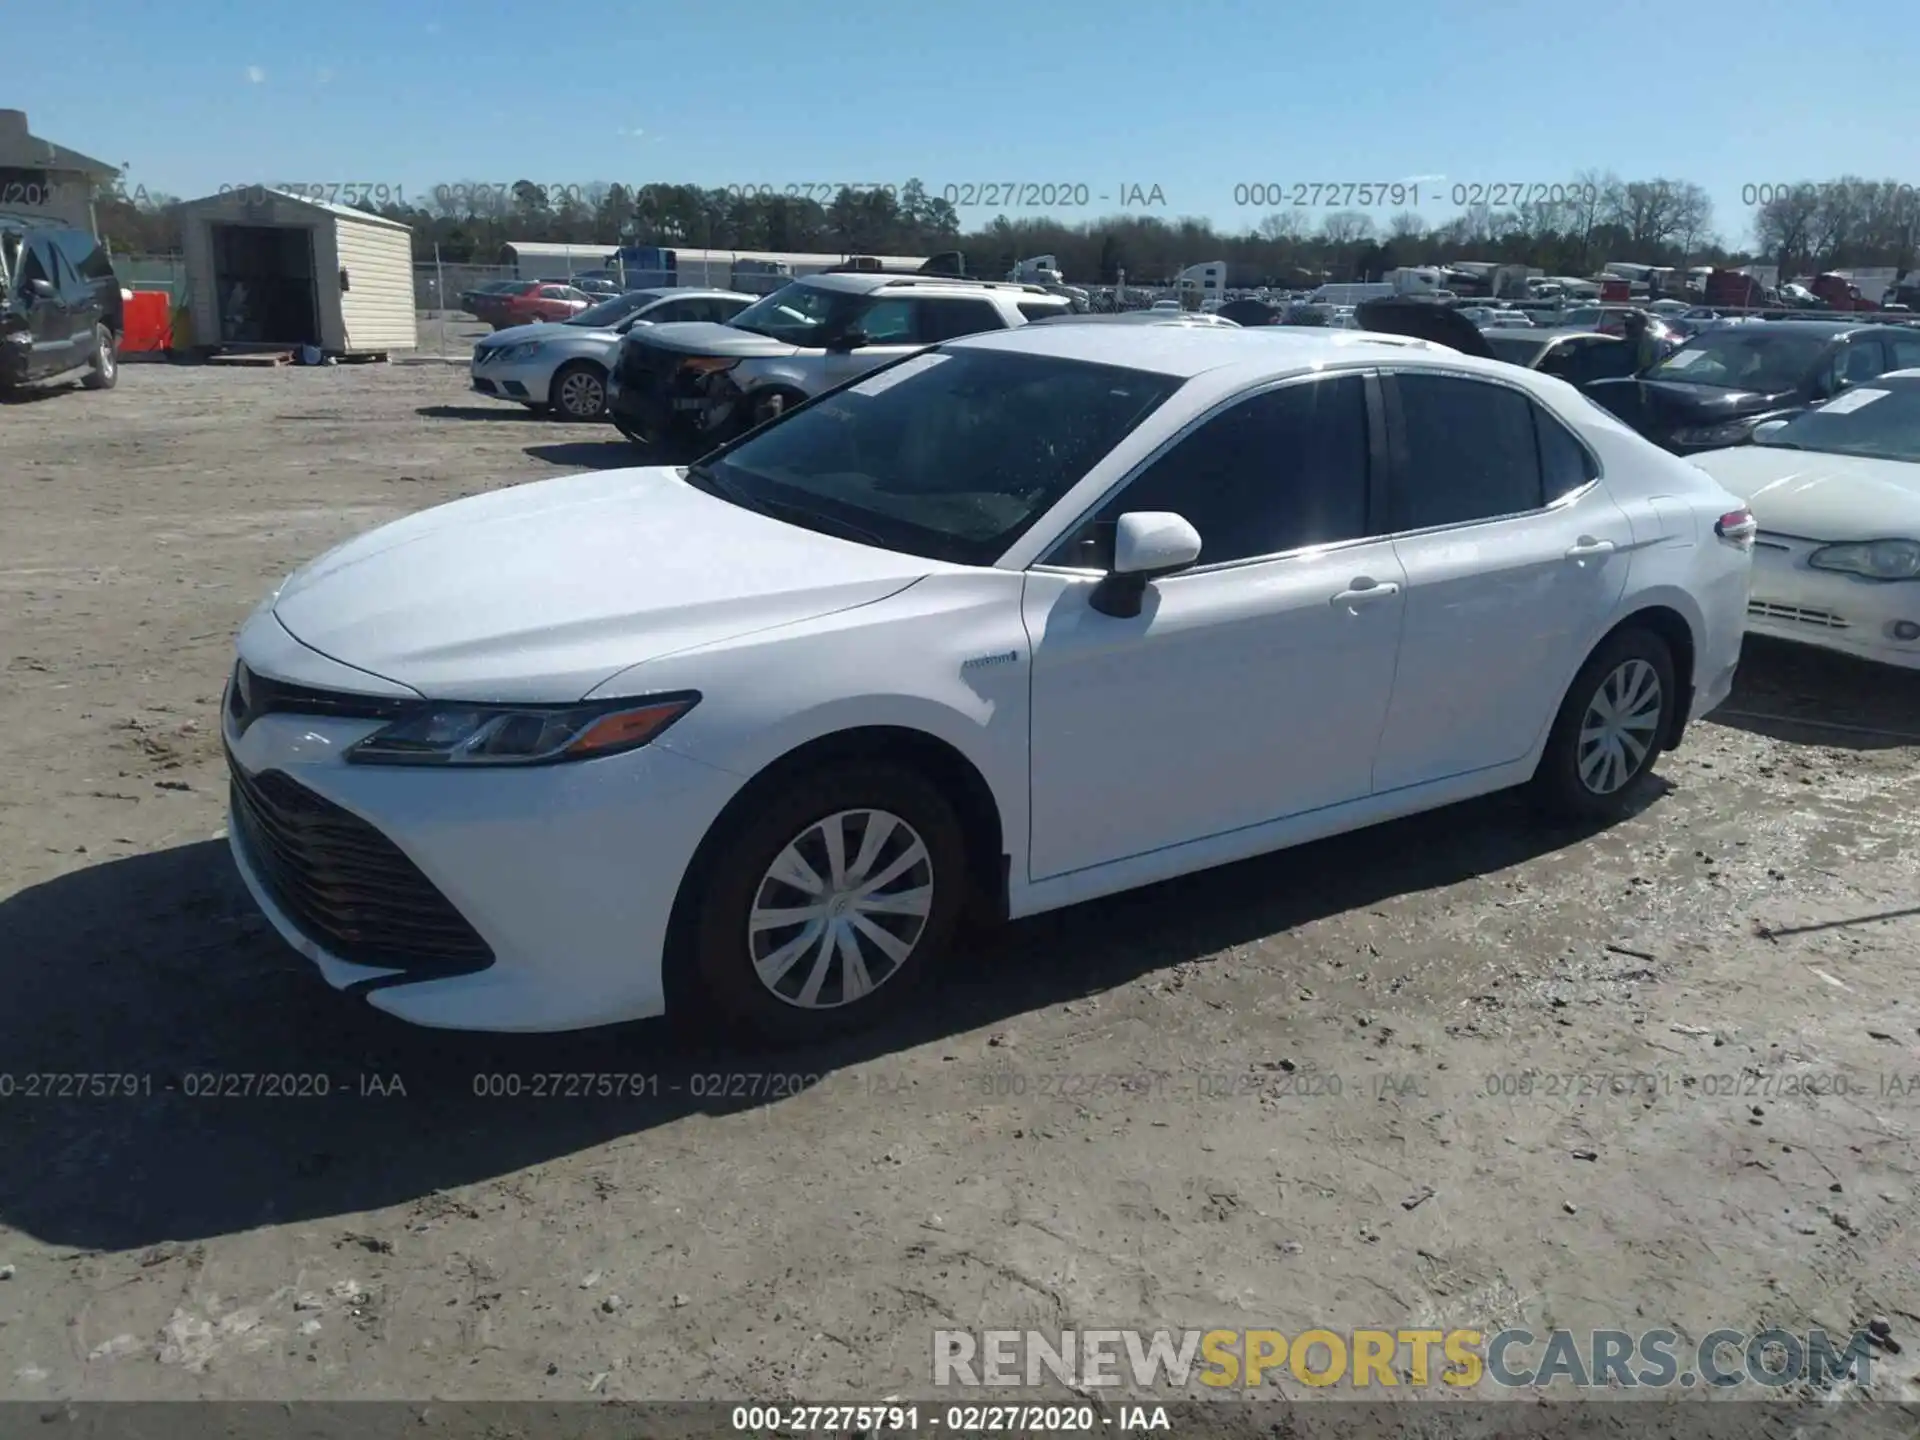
pixel 715 381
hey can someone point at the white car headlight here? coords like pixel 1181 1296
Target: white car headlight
pixel 525 350
pixel 1873 559
pixel 454 733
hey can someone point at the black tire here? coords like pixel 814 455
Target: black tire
pixel 1600 795
pixel 585 398
pixel 105 371
pixel 720 947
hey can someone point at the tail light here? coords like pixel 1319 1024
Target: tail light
pixel 1737 528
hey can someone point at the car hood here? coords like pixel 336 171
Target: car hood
pixel 705 337
pixel 542 330
pixel 1668 402
pixel 1821 497
pixel 542 591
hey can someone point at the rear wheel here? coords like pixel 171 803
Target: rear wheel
pixel 830 903
pixel 105 363
pixel 579 391
pixel 1598 764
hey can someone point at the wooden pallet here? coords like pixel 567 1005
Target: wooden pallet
pixel 256 359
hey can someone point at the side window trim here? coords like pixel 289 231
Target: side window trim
pixel 1375 437
pixel 1403 465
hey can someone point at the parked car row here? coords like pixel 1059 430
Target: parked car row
pixel 564 366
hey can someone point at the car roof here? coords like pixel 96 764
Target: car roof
pixel 1821 324
pixel 859 282
pixel 1188 350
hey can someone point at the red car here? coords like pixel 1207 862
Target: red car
pixel 531 303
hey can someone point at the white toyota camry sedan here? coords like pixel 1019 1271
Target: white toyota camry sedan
pixel 1021 620
pixel 1836 495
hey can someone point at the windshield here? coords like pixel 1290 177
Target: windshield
pixel 805 315
pixel 948 454
pixel 1880 421
pixel 1744 359
pixel 611 312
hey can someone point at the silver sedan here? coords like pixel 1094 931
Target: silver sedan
pixel 561 367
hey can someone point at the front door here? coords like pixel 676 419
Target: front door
pixel 891 325
pixel 1515 558
pixel 1247 689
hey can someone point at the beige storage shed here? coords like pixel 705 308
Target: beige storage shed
pixel 267 270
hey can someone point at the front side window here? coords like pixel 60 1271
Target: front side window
pixel 1280 471
pixel 949 454
pixel 1864 360
pixel 1470 449
pixel 889 321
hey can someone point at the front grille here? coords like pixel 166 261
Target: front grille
pixel 642 369
pixel 251 695
pixel 1796 614
pixel 344 885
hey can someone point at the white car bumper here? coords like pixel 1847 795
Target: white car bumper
pixel 526 899
pixel 525 381
pixel 1790 600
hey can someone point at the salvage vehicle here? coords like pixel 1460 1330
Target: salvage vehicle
pixel 62 312
pixel 1719 385
pixel 1836 494
pixel 562 367
pixel 1021 620
pixel 713 381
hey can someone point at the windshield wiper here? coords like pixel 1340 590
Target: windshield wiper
pixel 799 515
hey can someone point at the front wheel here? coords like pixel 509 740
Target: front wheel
pixel 579 391
pixel 1598 764
pixel 105 362
pixel 831 903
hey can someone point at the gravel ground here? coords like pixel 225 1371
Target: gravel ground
pixel 1330 1034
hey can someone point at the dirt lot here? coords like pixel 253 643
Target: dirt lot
pixel 1332 1033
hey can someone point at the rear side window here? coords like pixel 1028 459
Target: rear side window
pixel 1565 464
pixel 1279 471
pixel 85 254
pixel 950 319
pixel 1471 452
pixel 1033 311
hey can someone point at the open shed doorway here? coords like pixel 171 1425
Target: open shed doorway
pixel 263 282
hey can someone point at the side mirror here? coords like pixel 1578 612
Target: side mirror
pixel 1764 432
pixel 847 341
pixel 42 288
pixel 1147 544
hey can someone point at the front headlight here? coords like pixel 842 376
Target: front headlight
pixel 525 350
pixel 453 733
pixel 1871 559
pixel 1731 433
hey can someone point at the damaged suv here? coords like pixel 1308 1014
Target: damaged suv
pixel 715 381
pixel 61 313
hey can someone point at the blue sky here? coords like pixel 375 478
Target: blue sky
pixel 1197 97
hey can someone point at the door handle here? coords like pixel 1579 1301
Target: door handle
pixel 1586 545
pixel 1364 591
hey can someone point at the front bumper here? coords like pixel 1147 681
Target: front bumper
pixel 1790 600
pixel 525 381
pixel 650 394
pixel 567 873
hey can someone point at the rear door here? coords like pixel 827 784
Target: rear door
pixel 1515 557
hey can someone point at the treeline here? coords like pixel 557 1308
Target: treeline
pixel 1802 228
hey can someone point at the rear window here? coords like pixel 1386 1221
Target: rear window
pixel 1034 310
